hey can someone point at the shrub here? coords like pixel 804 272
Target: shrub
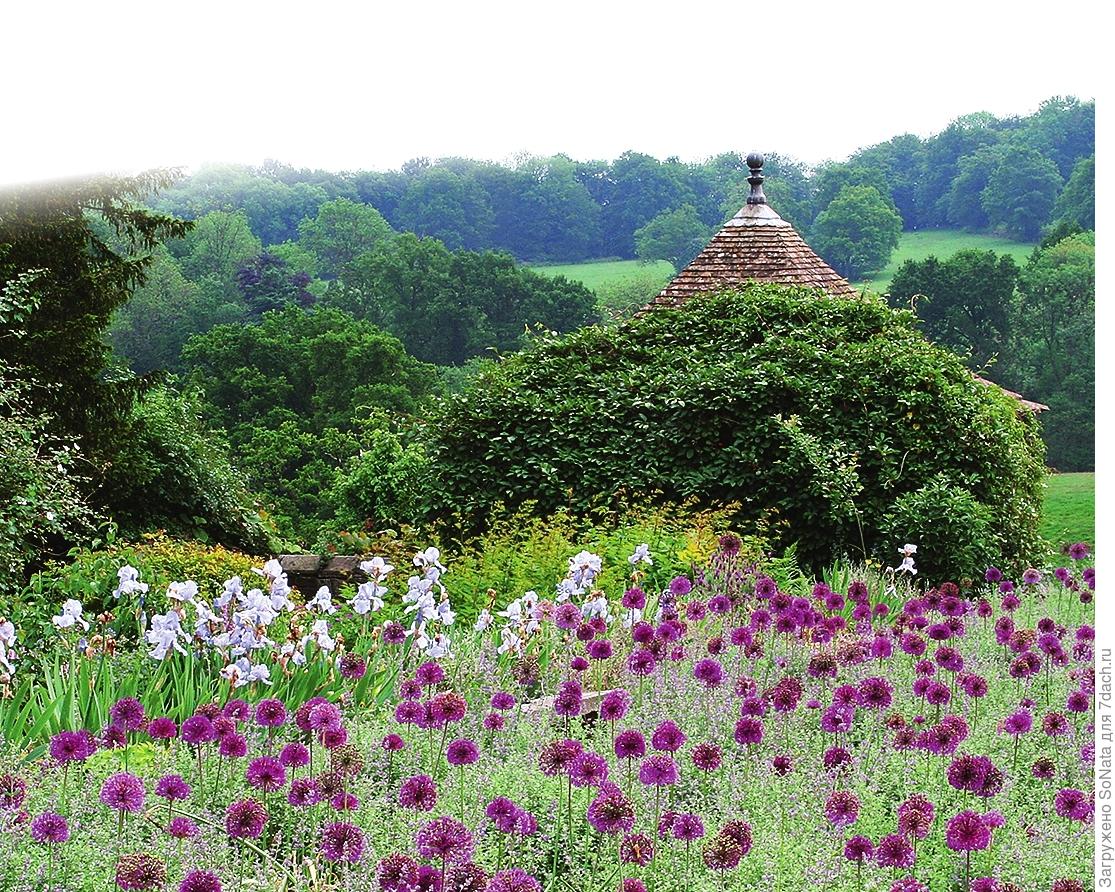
pixel 815 414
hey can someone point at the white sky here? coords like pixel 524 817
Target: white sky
pixel 124 86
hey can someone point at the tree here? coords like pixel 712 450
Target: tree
pixel 641 188
pixel 266 283
pixel 968 299
pixel 448 206
pixel 1077 201
pixel 901 160
pixel 858 230
pixel 965 205
pixel 677 236
pixel 830 179
pixel 1063 129
pixel 341 232
pixel 1054 346
pixel 50 233
pixel 217 246
pixel 943 151
pixel 1021 191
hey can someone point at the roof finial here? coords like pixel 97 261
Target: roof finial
pixel 755 162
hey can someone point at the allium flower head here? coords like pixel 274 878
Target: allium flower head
pixel 636 848
pixel 304 793
pixel 200 881
pixel 50 828
pixel 859 849
pixel 245 819
pixel 127 713
pixel 140 872
pixel 842 808
pixel 123 792
pixel 707 756
pixel 182 828
pixel 70 746
pixel 266 773
pixel 462 752
pixel 271 713
pixel 709 672
pixel 341 841
pixel 1073 804
pixel 418 792
pixel 162 728
pixel 198 729
pixel 588 770
pixel 444 839
pixel 894 850
pixel 658 771
pixel 294 755
pixel 630 744
pixel 172 787
pixel 667 737
pixel 688 827
pixel 614 705
pixel 612 812
pixel 514 879
pixel 966 832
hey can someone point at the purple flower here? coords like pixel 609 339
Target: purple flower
pixel 688 827
pixel 393 743
pixel 630 744
pixel 397 873
pixel 894 850
pixel 294 755
pixel 127 713
pixel 611 811
pixel 50 828
pixel 504 813
pixel 588 770
pixel 1072 804
pixel 70 746
pixel 667 737
pixel 245 819
pixel 430 674
pixel 513 880
pixel 197 729
pixel 966 832
pixel 709 672
pixel 680 586
pixel 123 792
pixel 636 848
pixel 200 881
pixel 182 828
pixel 842 808
pixel 462 752
pixel 642 662
pixel 235 746
pixel 503 701
pixel 1078 551
pixel 341 841
pixel 271 713
pixel 266 773
pixel 707 756
pixel 172 787
pixel 859 849
pixel 614 705
pixel 418 792
pixel 162 728
pixel 567 702
pixel 141 872
pixel 303 793
pixel 601 649
pixel 444 839
pixel 749 731
pixel 658 771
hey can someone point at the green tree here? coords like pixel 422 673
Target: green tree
pixel 341 232
pixel 1077 201
pixel 943 151
pixel 1020 193
pixel 830 179
pixel 965 204
pixel 219 243
pixel 967 301
pixel 451 207
pixel 858 230
pixel 677 236
pixel 639 188
pixel 1054 346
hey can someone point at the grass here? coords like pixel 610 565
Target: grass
pixel 942 243
pixel 596 273
pixel 1069 512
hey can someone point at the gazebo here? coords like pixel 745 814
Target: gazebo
pixel 757 245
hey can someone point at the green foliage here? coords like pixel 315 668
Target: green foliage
pixel 626 295
pixel 1069 512
pixel 635 190
pixel 448 306
pixel 1077 201
pixel 172 471
pixel 87 245
pixel 966 300
pixel 218 245
pixel 965 203
pixel 1020 192
pixel 677 236
pixel 452 208
pixel 943 243
pixel 42 495
pixel 954 531
pixel 857 230
pixel 341 232
pixel 814 415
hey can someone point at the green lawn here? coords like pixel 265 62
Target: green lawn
pixel 1069 512
pixel 595 273
pixel 942 243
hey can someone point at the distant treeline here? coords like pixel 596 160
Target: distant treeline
pixel 1012 174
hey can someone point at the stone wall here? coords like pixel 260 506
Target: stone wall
pixel 309 572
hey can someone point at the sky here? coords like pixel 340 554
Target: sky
pixel 122 86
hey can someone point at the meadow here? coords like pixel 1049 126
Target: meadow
pixel 731 726
pixel 1069 509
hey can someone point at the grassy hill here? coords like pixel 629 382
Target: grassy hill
pixel 597 273
pixel 942 243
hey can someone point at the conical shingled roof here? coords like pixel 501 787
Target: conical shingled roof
pixel 756 245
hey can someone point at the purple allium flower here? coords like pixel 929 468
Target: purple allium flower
pixel 634 599
pixel 1054 724
pixel 567 701
pixel 738 832
pixel 658 771
pixel 707 756
pixel 13 790
pixel 245 819
pixel 630 744
pixel 636 848
pixel 503 701
pixel 127 713
pixel 341 841
pixel 1072 804
pixel 966 832
pixel 140 872
pixel 782 765
pixel 894 850
pixel 688 827
pixel 198 729
pixel 393 743
pixel 430 674
pixel 352 666
pixel 172 787
pixel 611 811
pixel 567 617
pixel 409 712
pixel 69 746
pixel 709 672
pixel 162 728
pixel 680 586
pixel 614 705
pixel 667 737
pixel 842 808
pixel 418 792
pixel 200 881
pixel 1078 701
pixel 504 813
pixel 557 755
pixel 642 662
pixel 344 802
pixel 333 737
pixel 304 792
pixel 271 713
pixel 462 752
pixel 601 649
pixel 50 828
pixel 123 792
pixel 993 574
pixel 859 849
pixel 235 746
pixel 182 828
pixel 514 879
pixel 749 731
pixel 493 721
pixel 294 755
pixel 397 873
pixel 394 633
pixel 324 715
pixel 588 770
pixel 578 664
pixel 1078 551
pixel 720 605
pixel 444 839
pixel 266 773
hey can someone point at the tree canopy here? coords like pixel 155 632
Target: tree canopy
pixel 858 231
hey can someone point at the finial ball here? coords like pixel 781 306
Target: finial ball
pixel 755 161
